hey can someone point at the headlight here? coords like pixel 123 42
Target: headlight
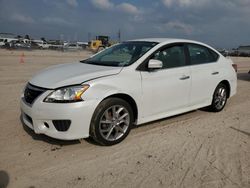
pixel 67 94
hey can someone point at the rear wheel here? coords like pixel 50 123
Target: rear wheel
pixel 219 98
pixel 111 122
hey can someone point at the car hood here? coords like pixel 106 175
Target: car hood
pixel 71 74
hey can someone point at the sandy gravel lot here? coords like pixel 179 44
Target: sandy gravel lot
pixel 196 149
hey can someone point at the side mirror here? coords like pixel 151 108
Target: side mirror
pixel 155 64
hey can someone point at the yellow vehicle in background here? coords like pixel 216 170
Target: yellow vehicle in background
pixel 100 43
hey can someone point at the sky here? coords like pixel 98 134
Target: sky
pixel 222 24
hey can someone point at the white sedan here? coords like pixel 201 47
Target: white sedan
pixel 133 82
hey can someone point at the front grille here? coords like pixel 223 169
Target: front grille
pixel 32 92
pixel 61 125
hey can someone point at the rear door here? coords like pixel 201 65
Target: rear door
pixel 205 75
pixel 167 89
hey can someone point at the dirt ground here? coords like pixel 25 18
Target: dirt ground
pixel 196 149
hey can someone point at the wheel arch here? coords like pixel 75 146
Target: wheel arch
pixel 129 100
pixel 227 84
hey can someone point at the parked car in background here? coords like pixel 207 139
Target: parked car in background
pixel 19 44
pixel 84 45
pixel 6 40
pixel 133 82
pixel 2 43
pixel 56 44
pixel 233 52
pixel 34 45
pixel 244 54
pixel 72 47
pixel 42 44
pixel 224 52
pixel 244 51
pixel 22 45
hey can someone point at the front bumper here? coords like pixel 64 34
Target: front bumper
pixel 39 117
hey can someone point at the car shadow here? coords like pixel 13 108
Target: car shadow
pixel 243 76
pixel 4 179
pixel 90 140
pixel 44 138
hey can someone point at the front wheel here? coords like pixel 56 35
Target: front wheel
pixel 219 98
pixel 111 122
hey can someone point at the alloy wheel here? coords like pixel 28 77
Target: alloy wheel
pixel 114 122
pixel 220 98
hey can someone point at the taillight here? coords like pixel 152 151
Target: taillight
pixel 235 67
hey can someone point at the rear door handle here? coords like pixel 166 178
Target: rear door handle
pixel 215 73
pixel 184 77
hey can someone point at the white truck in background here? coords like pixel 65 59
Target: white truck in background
pixel 42 44
pixel 2 43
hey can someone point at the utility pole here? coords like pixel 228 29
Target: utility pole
pixel 89 36
pixel 62 38
pixel 119 35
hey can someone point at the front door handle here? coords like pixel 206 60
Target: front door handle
pixel 184 77
pixel 215 73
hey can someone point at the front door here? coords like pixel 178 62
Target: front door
pixel 167 89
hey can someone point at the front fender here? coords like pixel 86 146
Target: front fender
pixel 99 92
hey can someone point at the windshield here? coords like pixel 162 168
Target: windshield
pixel 120 55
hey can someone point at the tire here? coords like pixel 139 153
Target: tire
pixel 109 128
pixel 219 98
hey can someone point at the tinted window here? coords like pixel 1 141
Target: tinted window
pixel 171 57
pixel 214 54
pixel 200 54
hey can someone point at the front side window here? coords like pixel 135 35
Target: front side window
pixel 171 57
pixel 201 55
pixel 120 55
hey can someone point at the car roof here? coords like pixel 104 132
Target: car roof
pixel 164 40
pixel 172 40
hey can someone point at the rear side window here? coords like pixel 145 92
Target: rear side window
pixel 171 57
pixel 201 54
